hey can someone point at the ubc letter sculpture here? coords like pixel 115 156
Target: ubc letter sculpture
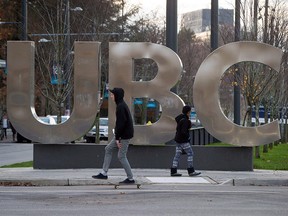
pixel 206 93
pixel 169 72
pixel 20 99
pixel 20 91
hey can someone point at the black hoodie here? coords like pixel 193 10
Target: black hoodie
pixel 124 124
pixel 182 129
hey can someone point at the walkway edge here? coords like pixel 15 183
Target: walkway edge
pixel 256 182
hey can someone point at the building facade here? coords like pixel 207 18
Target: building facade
pixel 200 20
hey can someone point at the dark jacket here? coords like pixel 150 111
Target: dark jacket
pixel 182 129
pixel 124 124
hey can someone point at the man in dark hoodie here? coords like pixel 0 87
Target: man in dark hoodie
pixel 123 132
pixel 182 139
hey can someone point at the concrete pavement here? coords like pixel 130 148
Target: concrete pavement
pixel 11 153
pixel 70 177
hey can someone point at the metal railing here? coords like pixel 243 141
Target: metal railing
pixel 199 136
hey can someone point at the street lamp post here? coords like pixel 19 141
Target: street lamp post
pixel 24 20
pixel 237 69
pixel 214 24
pixel 171 25
pixel 68 50
pixel 68 46
pixel 171 28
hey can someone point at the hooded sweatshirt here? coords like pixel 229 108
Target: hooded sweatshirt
pixel 182 129
pixel 124 124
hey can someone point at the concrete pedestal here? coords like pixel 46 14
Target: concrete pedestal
pixel 76 156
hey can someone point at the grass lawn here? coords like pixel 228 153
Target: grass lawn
pixel 274 159
pixel 19 165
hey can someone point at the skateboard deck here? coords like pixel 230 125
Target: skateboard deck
pixel 118 184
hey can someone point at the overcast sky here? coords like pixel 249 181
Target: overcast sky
pixel 183 5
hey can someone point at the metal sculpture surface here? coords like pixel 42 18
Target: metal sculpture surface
pixel 206 93
pixel 20 91
pixel 20 99
pixel 169 72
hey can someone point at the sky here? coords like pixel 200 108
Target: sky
pixel 184 6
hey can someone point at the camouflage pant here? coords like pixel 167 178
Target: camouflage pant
pixel 183 147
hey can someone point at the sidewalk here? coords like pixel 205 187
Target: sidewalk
pixel 60 177
pixel 70 177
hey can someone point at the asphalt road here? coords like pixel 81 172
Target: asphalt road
pixel 149 200
pixel 11 153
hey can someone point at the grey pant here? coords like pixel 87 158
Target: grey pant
pixel 110 148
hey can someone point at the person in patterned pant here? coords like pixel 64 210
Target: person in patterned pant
pixel 182 139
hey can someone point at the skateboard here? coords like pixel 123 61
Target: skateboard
pixel 118 184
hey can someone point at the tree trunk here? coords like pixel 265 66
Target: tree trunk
pixel 285 131
pixel 59 109
pixel 265 148
pixel 276 143
pixel 271 146
pixel 257 152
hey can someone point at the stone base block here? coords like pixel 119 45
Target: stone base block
pixel 79 156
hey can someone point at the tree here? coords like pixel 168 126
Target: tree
pixel 9 30
pixel 259 84
pixel 192 52
pixel 99 20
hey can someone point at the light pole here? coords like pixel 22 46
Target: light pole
pixel 266 21
pixel 24 20
pixel 236 87
pixel 68 48
pixel 171 28
pixel 214 25
pixel 24 15
pixel 171 25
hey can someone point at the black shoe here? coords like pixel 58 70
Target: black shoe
pixel 174 173
pixel 194 173
pixel 100 176
pixel 127 181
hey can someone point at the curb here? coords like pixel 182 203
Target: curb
pixel 83 182
pixel 50 182
pixel 38 182
pixel 256 182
